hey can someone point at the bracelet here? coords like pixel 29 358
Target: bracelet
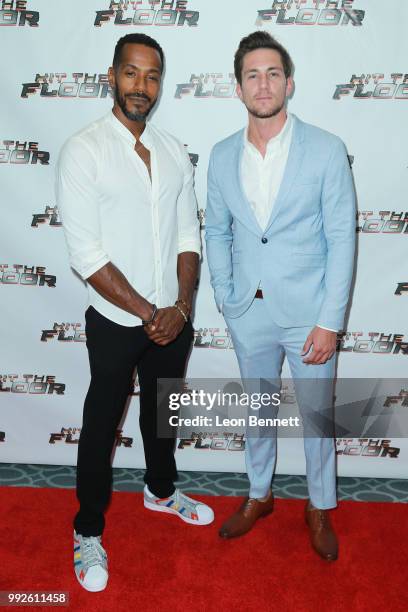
pixel 182 313
pixel 147 321
pixel 185 304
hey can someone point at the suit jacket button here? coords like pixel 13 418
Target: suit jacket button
pixel 264 240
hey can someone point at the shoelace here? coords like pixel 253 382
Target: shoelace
pixel 185 502
pixel 93 552
pixel 248 505
pixel 322 517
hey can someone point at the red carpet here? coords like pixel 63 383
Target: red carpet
pixel 159 563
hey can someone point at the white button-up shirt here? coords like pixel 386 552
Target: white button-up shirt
pixel 262 176
pixel 112 212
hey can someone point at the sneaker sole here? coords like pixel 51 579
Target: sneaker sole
pixel 190 521
pixel 91 590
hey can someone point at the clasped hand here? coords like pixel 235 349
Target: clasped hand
pixel 166 326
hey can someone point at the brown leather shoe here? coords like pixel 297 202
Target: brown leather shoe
pixel 322 536
pixel 245 518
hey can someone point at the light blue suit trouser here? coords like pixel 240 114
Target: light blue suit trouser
pixel 261 346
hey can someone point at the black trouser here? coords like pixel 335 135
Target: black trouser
pixel 114 352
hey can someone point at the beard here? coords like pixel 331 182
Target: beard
pixel 267 113
pixel 121 101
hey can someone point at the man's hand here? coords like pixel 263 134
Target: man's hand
pixel 324 346
pixel 166 326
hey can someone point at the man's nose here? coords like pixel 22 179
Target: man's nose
pixel 263 81
pixel 139 83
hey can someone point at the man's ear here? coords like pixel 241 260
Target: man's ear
pixel 289 86
pixel 239 91
pixel 111 77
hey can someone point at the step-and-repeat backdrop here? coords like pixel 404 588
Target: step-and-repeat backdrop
pixel 350 58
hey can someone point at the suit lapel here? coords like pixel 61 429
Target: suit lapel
pixel 295 156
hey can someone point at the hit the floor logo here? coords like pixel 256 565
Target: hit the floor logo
pixel 88 86
pixel 138 13
pixel 312 12
pixel 19 274
pixel 22 152
pixel 70 435
pixel 212 337
pixel 373 342
pixel 366 447
pixel 373 86
pixel 64 332
pixel 49 217
pixel 382 222
pixel 208 85
pixel 33 384
pixel 16 13
pixel 207 440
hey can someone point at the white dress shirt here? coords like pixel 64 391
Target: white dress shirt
pixel 262 176
pixel 112 212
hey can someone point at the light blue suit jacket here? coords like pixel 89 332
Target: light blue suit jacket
pixel 304 258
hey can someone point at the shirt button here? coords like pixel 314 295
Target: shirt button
pixel 264 240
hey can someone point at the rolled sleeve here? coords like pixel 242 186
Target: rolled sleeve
pixel 188 224
pixel 77 201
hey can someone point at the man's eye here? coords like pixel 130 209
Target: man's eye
pixel 153 78
pixel 130 74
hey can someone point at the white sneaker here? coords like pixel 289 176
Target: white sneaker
pixel 90 562
pixel 189 510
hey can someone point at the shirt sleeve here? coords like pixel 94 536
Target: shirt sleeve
pixel 328 328
pixel 188 224
pixel 77 201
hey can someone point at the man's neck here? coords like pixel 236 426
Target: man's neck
pixel 260 131
pixel 135 127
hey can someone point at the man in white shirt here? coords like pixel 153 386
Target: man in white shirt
pixel 126 196
pixel 280 232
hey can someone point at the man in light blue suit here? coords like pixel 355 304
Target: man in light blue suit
pixel 280 233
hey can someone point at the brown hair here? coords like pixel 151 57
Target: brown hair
pixel 260 40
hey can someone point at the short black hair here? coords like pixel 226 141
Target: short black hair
pixel 260 40
pixel 136 39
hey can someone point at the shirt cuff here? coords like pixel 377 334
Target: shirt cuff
pixel 189 247
pixel 85 273
pixel 328 328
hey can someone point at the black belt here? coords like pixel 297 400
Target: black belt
pixel 259 294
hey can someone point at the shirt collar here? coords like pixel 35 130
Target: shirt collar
pixel 276 143
pixel 145 138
